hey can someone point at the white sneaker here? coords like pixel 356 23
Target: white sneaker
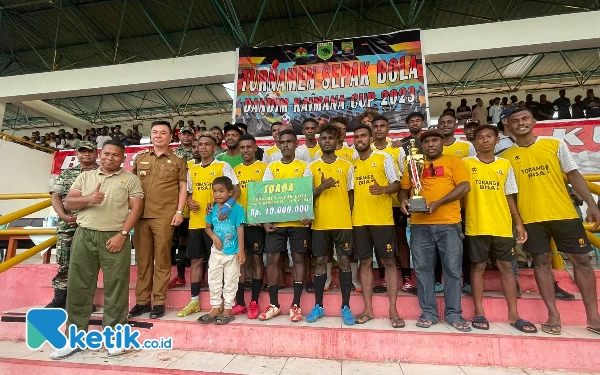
pixel 64 352
pixel 115 352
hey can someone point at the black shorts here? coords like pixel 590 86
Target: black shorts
pixel 400 220
pixel 323 242
pixel 199 244
pixel 382 237
pixel 569 236
pixel 299 238
pixel 254 239
pixel 182 229
pixel 481 247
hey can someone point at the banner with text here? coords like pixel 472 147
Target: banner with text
pixel 581 136
pixel 289 199
pixel 328 79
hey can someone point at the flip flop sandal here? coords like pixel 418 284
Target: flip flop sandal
pixel 595 330
pixel 551 329
pixel 424 323
pixel 522 323
pixel 480 322
pixel 206 319
pixel 397 322
pixel 460 327
pixel 222 319
pixel 360 317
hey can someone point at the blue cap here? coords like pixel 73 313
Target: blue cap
pixel 506 112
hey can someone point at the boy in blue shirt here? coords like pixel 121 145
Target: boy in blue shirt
pixel 227 253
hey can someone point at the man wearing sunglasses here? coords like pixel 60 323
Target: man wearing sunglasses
pixel 444 182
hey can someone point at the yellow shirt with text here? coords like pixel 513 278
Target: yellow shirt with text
pixel 312 151
pixel 332 206
pixel 248 173
pixel 373 209
pixel 278 170
pixel 459 148
pixel 538 170
pixel 395 153
pixel 487 212
pixel 439 178
pixel 201 179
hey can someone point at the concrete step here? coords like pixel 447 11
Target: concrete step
pixel 19 360
pixel 375 341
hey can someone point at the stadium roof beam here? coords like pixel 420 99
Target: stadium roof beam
pixel 237 33
pixel 119 28
pixel 161 32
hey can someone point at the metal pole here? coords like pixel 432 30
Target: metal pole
pixel 118 38
pixel 398 13
pixel 260 12
pixel 25 211
pixel 187 21
pixel 7 264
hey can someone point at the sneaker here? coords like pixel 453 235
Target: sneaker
pixel 356 286
pixel 238 310
pixel 408 286
pixel 270 312
pixel 295 313
pixel 310 287
pixel 439 288
pixel 64 352
pixel 347 316
pixel 314 314
pixel 467 289
pixel 115 352
pixel 562 294
pixel 176 283
pixel 192 307
pixel 253 311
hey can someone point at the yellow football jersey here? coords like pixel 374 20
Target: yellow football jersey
pixel 332 207
pixel 248 173
pixel 346 153
pixel 459 148
pixel 398 157
pixel 278 170
pixel 200 179
pixel 487 212
pixel 312 151
pixel 538 170
pixel 373 209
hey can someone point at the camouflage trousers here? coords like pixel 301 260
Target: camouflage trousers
pixel 63 255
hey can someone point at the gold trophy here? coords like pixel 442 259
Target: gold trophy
pixel 416 165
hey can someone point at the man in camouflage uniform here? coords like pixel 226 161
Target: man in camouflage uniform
pixel 178 251
pixel 65 229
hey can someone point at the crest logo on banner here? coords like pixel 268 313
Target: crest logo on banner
pixel 325 50
pixel 347 48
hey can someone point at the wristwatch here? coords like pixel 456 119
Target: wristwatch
pixel 124 233
pixel 179 212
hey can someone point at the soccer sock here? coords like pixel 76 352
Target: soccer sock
pixel 381 271
pixel 405 273
pixel 195 290
pixel 256 286
pixel 354 270
pixel 298 286
pixel 274 295
pixel 328 281
pixel 345 286
pixel 181 268
pixel 239 296
pixel 319 288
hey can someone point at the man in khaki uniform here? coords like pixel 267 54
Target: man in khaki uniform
pixel 109 201
pixel 163 174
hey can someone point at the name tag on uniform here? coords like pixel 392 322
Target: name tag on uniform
pixel 144 162
pixel 169 161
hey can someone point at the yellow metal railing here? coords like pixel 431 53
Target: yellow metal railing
pixel 10 138
pixel 15 234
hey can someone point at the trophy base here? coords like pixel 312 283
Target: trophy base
pixel 418 205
